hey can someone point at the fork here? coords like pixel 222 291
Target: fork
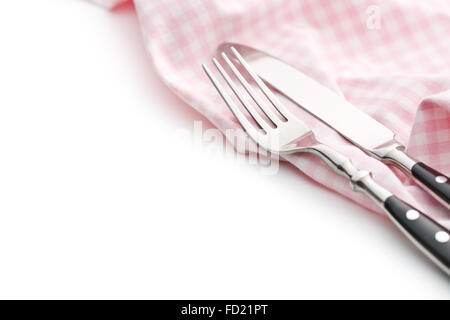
pixel 274 128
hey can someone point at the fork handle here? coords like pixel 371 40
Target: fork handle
pixel 429 236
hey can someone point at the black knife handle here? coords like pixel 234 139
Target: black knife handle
pixel 436 182
pixel 427 234
pixel 432 181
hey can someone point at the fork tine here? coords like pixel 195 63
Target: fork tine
pixel 251 110
pixel 248 127
pixel 267 92
pixel 264 107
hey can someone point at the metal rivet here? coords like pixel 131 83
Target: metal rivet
pixel 442 236
pixel 441 179
pixel 412 214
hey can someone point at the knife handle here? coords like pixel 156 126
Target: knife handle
pixel 428 235
pixel 432 180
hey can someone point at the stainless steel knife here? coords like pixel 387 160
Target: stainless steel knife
pixel 343 117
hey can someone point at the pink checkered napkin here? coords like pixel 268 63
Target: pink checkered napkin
pixel 390 59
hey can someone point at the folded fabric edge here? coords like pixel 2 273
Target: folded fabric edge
pixel 110 4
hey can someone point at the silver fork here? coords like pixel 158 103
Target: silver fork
pixel 277 130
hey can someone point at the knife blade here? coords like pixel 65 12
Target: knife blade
pixel 345 118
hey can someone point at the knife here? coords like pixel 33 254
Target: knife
pixel 342 116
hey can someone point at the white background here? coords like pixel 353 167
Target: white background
pixel 101 198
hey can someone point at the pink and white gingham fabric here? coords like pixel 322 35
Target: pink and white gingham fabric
pixel 391 59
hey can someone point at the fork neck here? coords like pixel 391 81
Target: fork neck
pixel 360 180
